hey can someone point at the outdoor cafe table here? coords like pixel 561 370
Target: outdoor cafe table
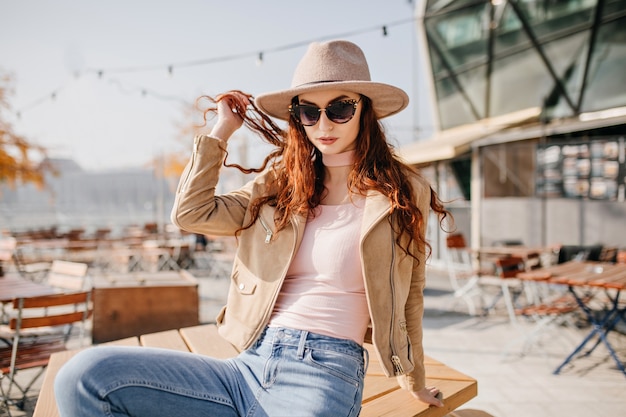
pixel 14 286
pixel 489 255
pixel 382 396
pixel 531 255
pixel 137 303
pixel 579 276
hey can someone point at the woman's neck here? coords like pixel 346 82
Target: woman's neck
pixel 339 159
pixel 338 167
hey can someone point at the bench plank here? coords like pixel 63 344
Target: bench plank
pixel 46 404
pixel 168 339
pixel 400 403
pixel 129 341
pixel 377 386
pixel 205 340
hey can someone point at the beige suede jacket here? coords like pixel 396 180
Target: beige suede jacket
pixel 394 282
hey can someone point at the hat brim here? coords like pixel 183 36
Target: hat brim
pixel 386 99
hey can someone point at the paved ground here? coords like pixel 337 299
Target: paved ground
pixel 514 385
pixel 488 349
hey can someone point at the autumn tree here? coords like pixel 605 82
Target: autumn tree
pixel 20 159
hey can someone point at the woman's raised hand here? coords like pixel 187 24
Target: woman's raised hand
pixel 229 118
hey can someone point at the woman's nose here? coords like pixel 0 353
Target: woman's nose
pixel 325 123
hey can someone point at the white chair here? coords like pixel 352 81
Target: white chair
pixel 461 272
pixel 68 275
pixel 11 253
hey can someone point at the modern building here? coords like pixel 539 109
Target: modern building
pixel 530 99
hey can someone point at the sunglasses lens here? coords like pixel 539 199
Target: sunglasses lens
pixel 340 111
pixel 309 115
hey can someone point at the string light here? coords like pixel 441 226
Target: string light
pixel 259 58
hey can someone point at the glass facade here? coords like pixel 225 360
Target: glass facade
pixel 491 58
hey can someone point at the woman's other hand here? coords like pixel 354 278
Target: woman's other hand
pixel 428 395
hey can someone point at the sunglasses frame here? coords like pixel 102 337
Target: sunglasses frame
pixel 295 107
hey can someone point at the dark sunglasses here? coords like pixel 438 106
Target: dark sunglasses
pixel 337 112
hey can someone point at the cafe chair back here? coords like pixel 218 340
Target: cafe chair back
pixel 71 276
pixel 38 327
pixel 462 274
pixel 11 255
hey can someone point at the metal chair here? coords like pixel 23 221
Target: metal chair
pixel 461 272
pixel 504 279
pixel 10 252
pixel 39 326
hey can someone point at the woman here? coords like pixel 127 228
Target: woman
pixel 331 243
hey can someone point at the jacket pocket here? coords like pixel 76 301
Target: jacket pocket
pixel 244 284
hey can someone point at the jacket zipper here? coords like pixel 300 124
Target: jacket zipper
pixel 268 231
pixel 395 359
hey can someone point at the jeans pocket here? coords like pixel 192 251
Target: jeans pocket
pixel 347 367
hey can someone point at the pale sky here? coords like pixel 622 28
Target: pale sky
pixel 54 50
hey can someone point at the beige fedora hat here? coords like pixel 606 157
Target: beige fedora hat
pixel 338 65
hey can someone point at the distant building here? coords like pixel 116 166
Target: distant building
pixel 78 198
pixel 91 200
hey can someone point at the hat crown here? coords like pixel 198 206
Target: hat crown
pixel 331 61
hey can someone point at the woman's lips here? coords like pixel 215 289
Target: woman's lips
pixel 327 140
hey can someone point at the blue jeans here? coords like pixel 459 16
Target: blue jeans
pixel 285 373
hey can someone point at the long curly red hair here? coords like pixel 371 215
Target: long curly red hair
pixel 299 173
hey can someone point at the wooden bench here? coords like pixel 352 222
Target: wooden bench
pixel 381 397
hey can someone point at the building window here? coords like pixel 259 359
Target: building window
pixel 509 169
pixel 584 169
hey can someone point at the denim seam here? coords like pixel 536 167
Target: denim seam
pixel 162 387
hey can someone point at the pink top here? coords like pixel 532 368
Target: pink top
pixel 324 290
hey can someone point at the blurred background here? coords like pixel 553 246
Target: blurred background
pixel 517 107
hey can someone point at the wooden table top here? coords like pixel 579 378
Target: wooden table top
pixel 511 250
pixel 14 286
pixel 378 394
pixel 144 278
pixel 577 273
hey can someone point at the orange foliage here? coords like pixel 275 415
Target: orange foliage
pixel 18 157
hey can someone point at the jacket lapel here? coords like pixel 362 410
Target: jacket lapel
pixel 377 207
pixel 298 222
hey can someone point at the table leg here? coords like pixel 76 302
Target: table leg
pixel 599 328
